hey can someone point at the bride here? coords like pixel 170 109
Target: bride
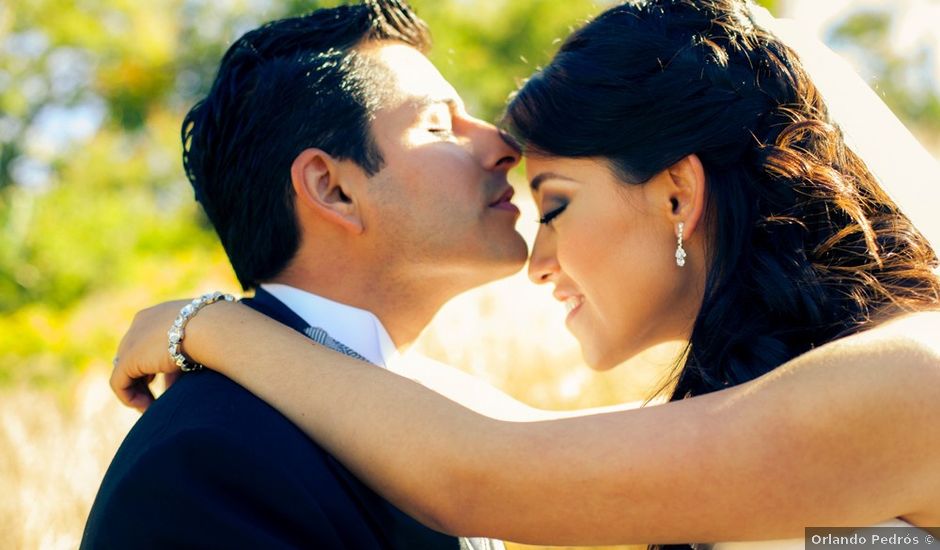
pixel 692 187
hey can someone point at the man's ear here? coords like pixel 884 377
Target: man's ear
pixel 686 193
pixel 318 180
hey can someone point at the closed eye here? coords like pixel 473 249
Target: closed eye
pixel 547 218
pixel 445 132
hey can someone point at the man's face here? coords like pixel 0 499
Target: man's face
pixel 440 204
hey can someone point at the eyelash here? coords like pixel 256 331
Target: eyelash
pixel 548 218
pixel 442 131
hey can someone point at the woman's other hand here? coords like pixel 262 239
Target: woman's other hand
pixel 142 354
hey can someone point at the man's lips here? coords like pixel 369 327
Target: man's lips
pixel 504 202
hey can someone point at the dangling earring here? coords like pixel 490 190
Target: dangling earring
pixel 680 252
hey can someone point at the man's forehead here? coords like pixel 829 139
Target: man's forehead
pixel 411 76
pixel 421 103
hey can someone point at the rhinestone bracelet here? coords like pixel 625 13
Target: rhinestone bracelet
pixel 176 332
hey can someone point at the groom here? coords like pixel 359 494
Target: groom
pixel 353 192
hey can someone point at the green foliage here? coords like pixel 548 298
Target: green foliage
pixel 486 49
pixel 772 5
pixel 902 79
pixel 96 217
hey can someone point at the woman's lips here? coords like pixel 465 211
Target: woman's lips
pixel 572 306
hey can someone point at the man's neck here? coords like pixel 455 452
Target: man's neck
pixel 404 311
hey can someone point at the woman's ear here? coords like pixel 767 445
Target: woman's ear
pixel 321 188
pixel 687 193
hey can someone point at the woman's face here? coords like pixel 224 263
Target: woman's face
pixel 609 249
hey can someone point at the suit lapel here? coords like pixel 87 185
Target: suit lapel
pixel 398 529
pixel 265 302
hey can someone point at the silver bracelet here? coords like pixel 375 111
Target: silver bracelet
pixel 177 331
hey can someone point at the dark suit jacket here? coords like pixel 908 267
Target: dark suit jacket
pixel 209 465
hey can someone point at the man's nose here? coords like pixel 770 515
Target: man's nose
pixel 497 150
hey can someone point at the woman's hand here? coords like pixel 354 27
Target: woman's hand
pixel 142 354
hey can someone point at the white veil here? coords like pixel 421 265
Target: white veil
pixel 905 169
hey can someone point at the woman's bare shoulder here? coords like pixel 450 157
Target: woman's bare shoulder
pixel 909 340
pixel 920 329
pixel 861 401
pixel 897 360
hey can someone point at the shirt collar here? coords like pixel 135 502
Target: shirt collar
pixel 357 328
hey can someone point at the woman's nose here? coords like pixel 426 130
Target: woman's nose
pixel 543 263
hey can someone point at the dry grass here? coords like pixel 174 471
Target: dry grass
pixel 53 453
pixel 54 448
pixel 55 445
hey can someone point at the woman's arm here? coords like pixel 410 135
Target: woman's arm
pixel 846 435
pixel 477 394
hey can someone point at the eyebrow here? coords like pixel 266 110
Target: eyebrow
pixel 424 102
pixel 539 179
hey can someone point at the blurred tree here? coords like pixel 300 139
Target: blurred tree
pixel 905 77
pixel 90 105
pixel 93 200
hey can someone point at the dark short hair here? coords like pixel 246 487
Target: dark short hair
pixel 803 244
pixel 284 87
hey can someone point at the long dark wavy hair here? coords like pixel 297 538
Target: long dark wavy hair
pixel 803 245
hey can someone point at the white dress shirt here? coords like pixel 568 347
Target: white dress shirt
pixel 361 331
pixel 357 328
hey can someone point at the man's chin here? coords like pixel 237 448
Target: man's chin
pixel 496 262
pixel 509 252
pixel 513 267
pixel 507 267
pixel 515 259
pixel 495 269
